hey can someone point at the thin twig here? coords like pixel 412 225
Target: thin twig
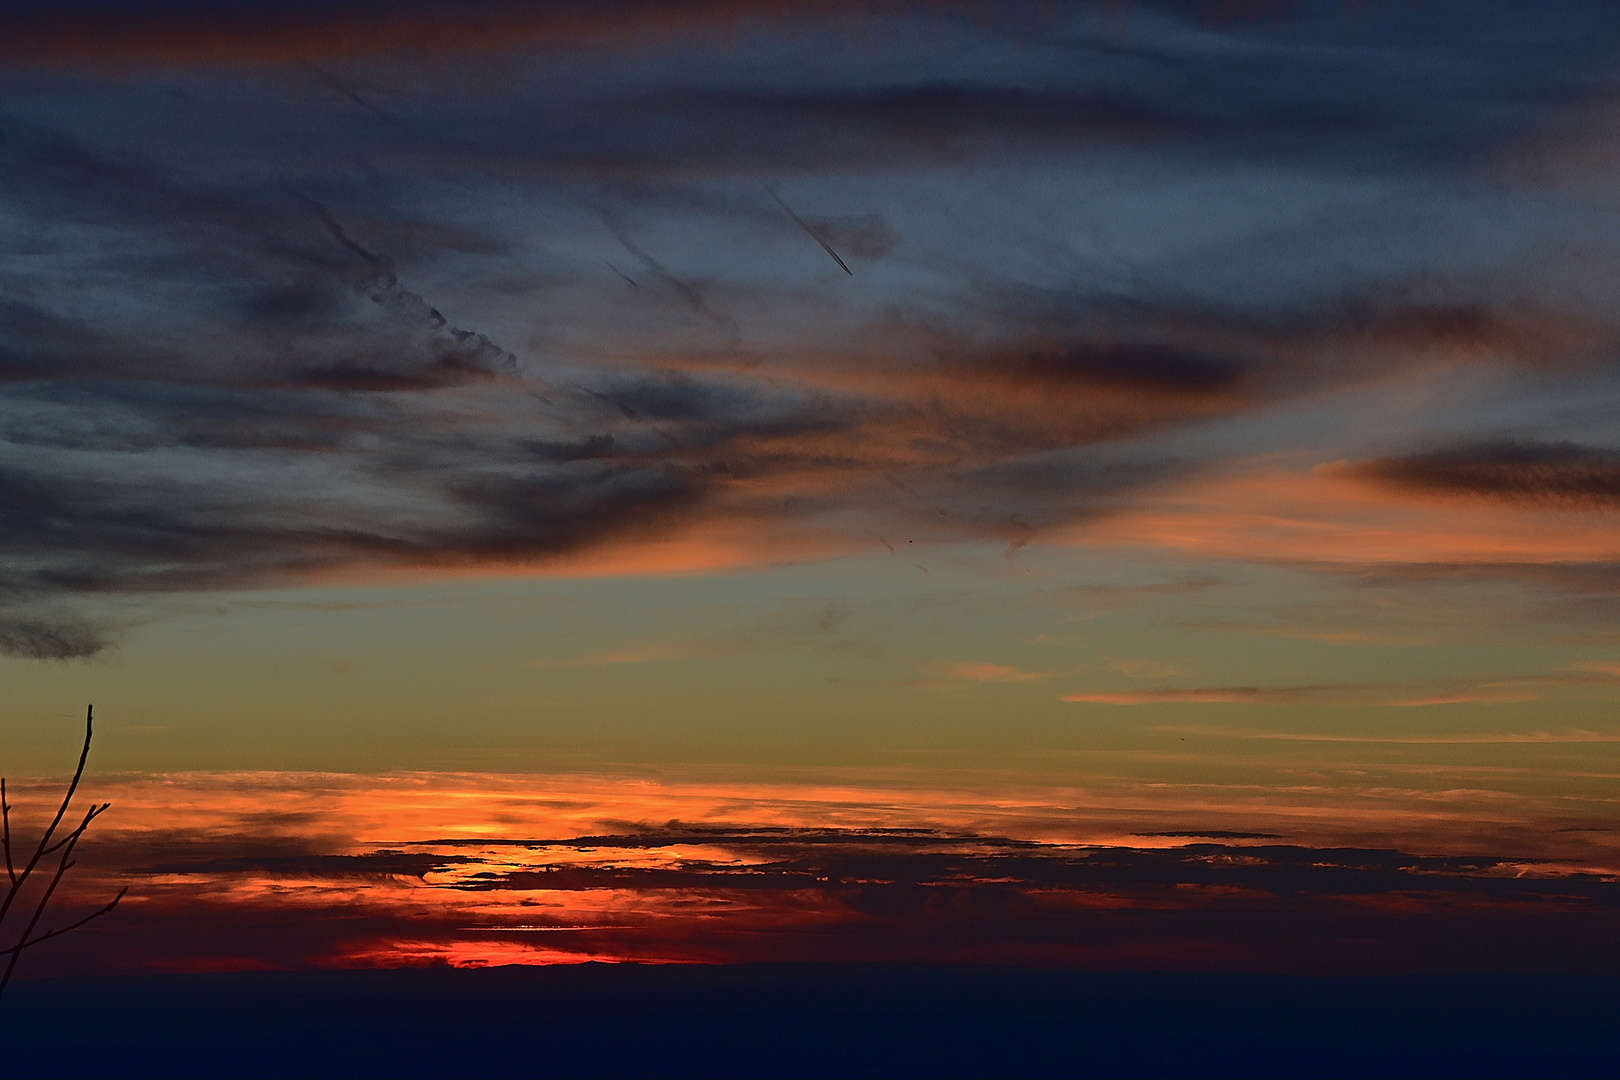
pixel 5 817
pixel 16 953
pixel 64 844
pixel 44 841
pixel 95 812
pixel 59 931
pixel 62 867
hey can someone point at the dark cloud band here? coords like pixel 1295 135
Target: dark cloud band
pixel 1557 474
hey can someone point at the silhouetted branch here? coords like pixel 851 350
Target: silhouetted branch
pixel 95 812
pixel 65 845
pixel 39 852
pixel 62 867
pixel 59 931
pixel 5 817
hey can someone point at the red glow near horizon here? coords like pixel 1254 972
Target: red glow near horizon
pixel 270 870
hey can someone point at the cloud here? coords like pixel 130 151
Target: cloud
pixel 268 323
pixel 41 639
pixel 1001 673
pixel 1509 738
pixel 647 654
pixel 1372 100
pixel 724 893
pixel 179 34
pixel 1211 695
pixel 1456 691
pixel 944 677
pixel 308 870
pixel 1553 474
pixel 1146 668
pixel 1335 515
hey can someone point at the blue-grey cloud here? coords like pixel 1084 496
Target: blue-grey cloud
pixel 270 307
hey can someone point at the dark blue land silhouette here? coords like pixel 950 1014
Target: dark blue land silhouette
pixel 814 1020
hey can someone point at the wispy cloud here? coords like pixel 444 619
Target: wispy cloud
pixel 1456 691
pixel 1490 738
pixel 236 355
pixel 643 655
pixel 1330 516
pixel 279 870
pixel 1002 673
pixel 1144 668
pixel 1557 474
pixel 49 638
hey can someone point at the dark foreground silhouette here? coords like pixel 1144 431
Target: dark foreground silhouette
pixel 20 867
pixel 810 1020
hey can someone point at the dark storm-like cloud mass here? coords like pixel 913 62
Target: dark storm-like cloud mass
pixel 280 298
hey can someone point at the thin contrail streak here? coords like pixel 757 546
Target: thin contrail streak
pixel 797 220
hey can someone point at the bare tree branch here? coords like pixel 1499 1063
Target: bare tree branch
pixel 39 852
pixel 5 818
pixel 95 812
pixel 65 845
pixel 62 867
pixel 59 931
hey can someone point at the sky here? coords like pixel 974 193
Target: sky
pixel 1178 434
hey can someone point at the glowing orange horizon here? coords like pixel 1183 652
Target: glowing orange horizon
pixel 210 852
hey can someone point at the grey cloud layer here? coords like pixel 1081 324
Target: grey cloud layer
pixel 259 323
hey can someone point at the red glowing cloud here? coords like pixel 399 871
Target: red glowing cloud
pixel 242 871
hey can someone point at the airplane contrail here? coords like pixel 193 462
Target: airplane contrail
pixel 797 220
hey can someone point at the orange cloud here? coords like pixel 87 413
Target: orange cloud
pixel 983 673
pixel 1508 738
pixel 1144 669
pixel 1410 694
pixel 473 869
pixel 1332 515
pixel 1250 695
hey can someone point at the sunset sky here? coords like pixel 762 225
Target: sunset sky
pixel 1096 428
